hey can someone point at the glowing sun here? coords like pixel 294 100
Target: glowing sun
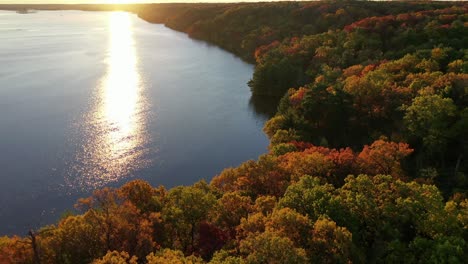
pixel 122 1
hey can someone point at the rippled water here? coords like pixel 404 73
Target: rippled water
pixel 93 99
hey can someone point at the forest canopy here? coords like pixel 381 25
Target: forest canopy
pixel 367 155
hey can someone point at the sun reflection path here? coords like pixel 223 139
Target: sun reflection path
pixel 121 86
pixel 115 128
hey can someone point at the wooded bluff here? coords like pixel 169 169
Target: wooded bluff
pixel 367 155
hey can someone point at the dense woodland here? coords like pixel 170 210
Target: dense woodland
pixel 367 161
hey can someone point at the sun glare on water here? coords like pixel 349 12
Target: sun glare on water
pixel 118 119
pixel 122 82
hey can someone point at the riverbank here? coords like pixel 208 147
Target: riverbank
pixel 366 160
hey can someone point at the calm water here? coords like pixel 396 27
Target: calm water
pixel 93 99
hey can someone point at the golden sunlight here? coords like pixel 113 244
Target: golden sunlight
pixel 122 82
pixel 121 98
pixel 118 119
pixel 122 1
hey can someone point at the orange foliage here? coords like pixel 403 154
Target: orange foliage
pixel 301 145
pixel 333 164
pixel 264 177
pixel 264 49
pixel 353 70
pixel 377 24
pixel 383 157
pixel 15 250
pixel 303 163
pixel 297 97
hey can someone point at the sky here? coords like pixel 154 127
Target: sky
pixel 115 1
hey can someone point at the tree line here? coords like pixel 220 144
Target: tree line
pixel 367 155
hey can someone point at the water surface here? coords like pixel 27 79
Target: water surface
pixel 93 99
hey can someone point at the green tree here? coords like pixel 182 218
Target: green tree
pixel 172 256
pixel 115 257
pixel 330 243
pixel 185 208
pixel 268 247
pixel 310 197
pixel 430 117
pixel 286 222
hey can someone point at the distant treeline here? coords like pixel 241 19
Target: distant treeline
pixel 243 27
pixel 367 155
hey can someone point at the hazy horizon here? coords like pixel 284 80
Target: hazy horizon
pixel 123 1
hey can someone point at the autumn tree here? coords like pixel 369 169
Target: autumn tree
pixel 268 247
pixel 429 118
pixel 383 157
pixel 330 243
pixel 310 197
pixel 172 256
pixel 185 209
pixel 115 257
pixel 286 222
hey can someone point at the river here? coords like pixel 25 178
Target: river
pixel 94 99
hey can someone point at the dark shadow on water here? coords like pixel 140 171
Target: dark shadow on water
pixel 264 106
